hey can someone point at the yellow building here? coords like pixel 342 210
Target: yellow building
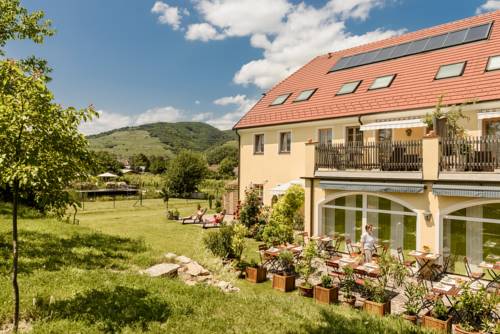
pixel 353 128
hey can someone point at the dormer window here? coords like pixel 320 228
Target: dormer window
pixel 281 99
pixel 349 87
pixel 493 63
pixel 450 71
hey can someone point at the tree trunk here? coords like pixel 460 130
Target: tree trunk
pixel 15 255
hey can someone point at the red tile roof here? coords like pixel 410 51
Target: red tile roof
pixel 413 88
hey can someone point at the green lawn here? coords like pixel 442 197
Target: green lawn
pixel 84 279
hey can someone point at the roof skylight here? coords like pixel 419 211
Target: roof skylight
pixel 382 82
pixel 349 87
pixel 305 95
pixel 280 99
pixel 450 71
pixel 493 63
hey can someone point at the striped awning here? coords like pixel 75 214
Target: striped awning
pixel 385 187
pixel 466 190
pixel 397 124
pixel 485 114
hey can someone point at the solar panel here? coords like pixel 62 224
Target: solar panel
pixel 478 33
pixel 400 50
pixel 453 38
pixel 417 46
pixel 435 42
pixel 385 53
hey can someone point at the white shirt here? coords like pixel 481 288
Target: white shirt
pixel 368 241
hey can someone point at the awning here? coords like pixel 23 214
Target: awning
pixel 107 175
pixel 373 187
pixel 398 124
pixel 485 114
pixel 466 190
pixel 280 189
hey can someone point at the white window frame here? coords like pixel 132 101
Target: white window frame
pixel 318 130
pixel 488 69
pixel 464 65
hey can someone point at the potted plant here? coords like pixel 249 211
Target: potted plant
pixel 306 269
pixel 413 304
pixel 255 273
pixel 285 280
pixel 438 318
pixel 475 308
pixel 326 292
pixel 347 286
pixel 378 300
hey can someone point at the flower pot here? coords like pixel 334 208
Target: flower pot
pixel 284 283
pixel 410 318
pixel 306 291
pixel 443 326
pixel 457 329
pixel 326 295
pixel 375 308
pixel 350 301
pixel 256 275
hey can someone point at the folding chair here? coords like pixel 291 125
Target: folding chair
pixel 333 250
pixel 407 263
pixel 473 275
pixel 350 249
pixel 333 269
pixel 429 298
pixel 266 260
pixel 440 270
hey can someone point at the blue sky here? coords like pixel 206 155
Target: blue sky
pixel 140 61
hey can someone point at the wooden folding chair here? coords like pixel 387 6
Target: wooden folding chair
pixel 473 275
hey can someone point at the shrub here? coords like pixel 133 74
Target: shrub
pixel 327 281
pixel 251 207
pixel 228 242
pixel 439 311
pixel 305 266
pixel 413 294
pixel 475 308
pixel 276 233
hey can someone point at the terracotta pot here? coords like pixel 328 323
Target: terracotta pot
pixel 457 329
pixel 410 318
pixel 380 309
pixel 306 291
pixel 283 282
pixel 256 275
pixel 443 326
pixel 326 295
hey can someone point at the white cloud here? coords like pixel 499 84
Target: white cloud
pixel 488 6
pixel 164 114
pixel 197 102
pixel 106 121
pixel 288 34
pixel 168 14
pixel 227 121
pixel 203 32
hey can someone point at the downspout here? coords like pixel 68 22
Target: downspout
pixel 311 215
pixel 239 164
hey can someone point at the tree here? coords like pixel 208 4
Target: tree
pixel 185 173
pixel 218 153
pixel 250 210
pixel 41 149
pixel 106 162
pixel 139 160
pixel 157 164
pixel 226 167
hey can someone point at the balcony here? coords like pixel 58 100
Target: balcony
pixel 470 157
pixel 370 159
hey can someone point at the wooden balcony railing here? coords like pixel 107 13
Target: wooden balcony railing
pixel 383 156
pixel 470 154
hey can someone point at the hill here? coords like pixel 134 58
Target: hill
pixel 160 139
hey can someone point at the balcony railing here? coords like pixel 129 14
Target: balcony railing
pixel 470 154
pixel 383 156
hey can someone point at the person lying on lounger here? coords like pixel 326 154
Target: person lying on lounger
pixel 217 218
pixel 196 218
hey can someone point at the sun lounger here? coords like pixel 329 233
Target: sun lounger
pixel 215 221
pixel 195 219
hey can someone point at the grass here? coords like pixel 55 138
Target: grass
pixel 84 279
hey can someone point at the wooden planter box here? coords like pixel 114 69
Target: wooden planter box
pixel 306 292
pixel 256 275
pixel 410 318
pixel 377 308
pixel 284 283
pixel 443 326
pixel 326 296
pixel 459 330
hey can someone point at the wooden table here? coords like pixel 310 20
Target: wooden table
pixel 424 260
pixel 492 269
pixel 450 295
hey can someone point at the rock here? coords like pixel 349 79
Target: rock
pixel 170 257
pixel 194 269
pixel 163 270
pixel 190 282
pixel 183 259
pixel 206 278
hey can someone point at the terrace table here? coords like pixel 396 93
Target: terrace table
pixel 450 292
pixel 424 260
pixel 492 269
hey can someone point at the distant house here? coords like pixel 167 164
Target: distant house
pixel 352 125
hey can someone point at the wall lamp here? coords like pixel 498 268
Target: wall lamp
pixel 427 216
